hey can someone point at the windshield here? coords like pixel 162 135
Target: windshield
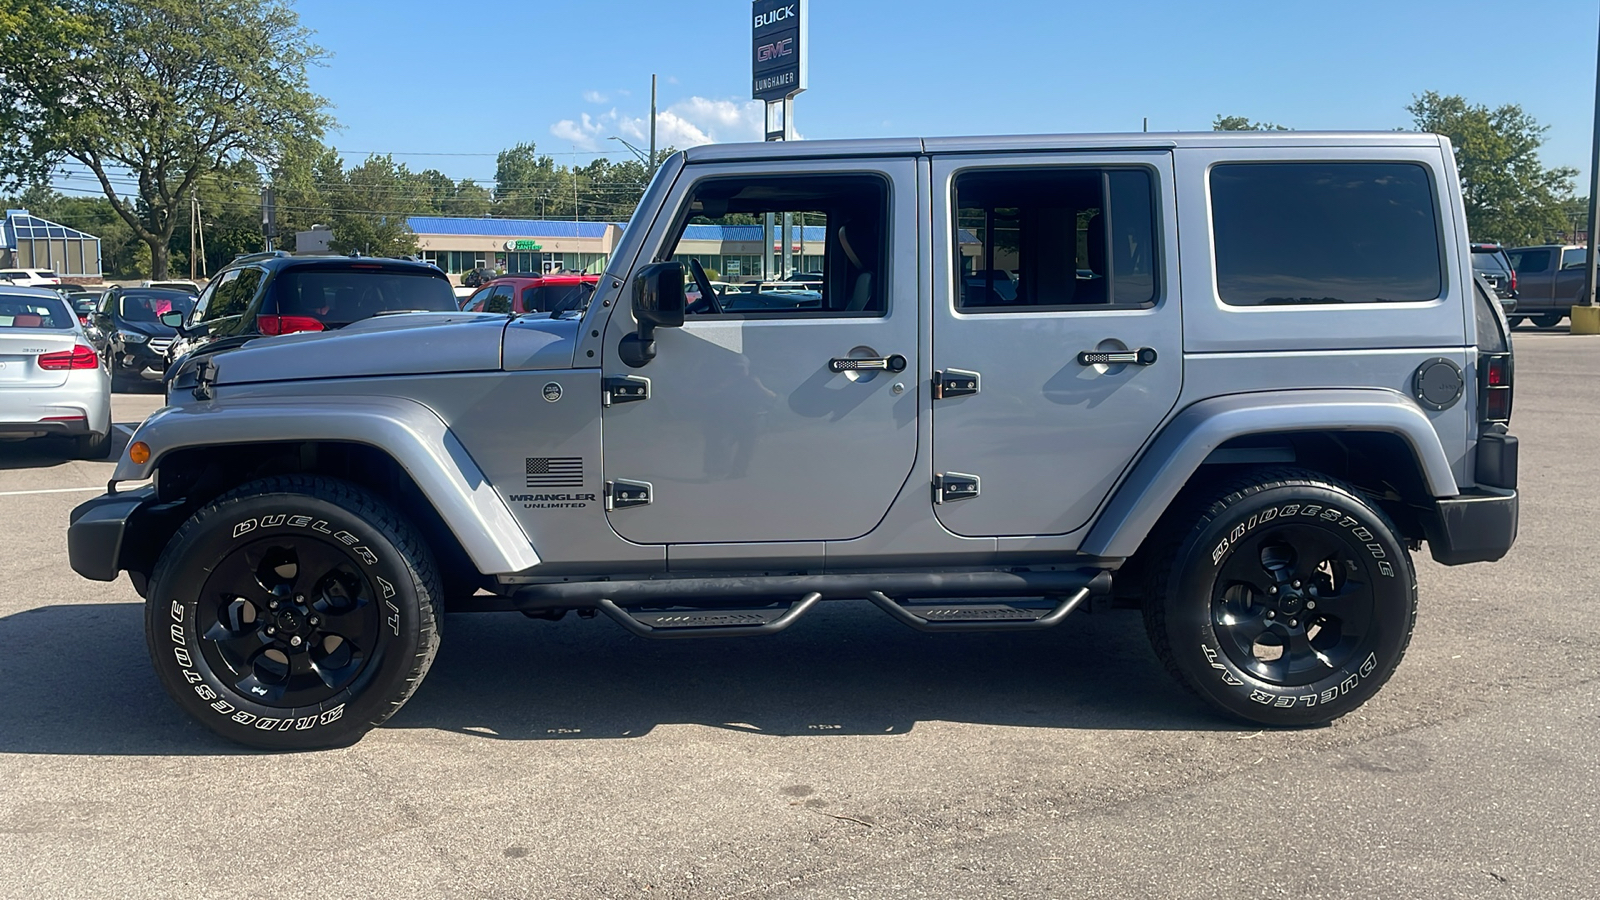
pixel 337 297
pixel 147 306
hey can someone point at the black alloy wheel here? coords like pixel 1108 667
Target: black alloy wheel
pixel 291 620
pixel 293 613
pixel 1287 599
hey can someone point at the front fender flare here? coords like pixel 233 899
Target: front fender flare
pixel 1189 438
pixel 409 432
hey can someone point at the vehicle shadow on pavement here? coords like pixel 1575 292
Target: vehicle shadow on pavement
pixel 52 452
pixel 845 669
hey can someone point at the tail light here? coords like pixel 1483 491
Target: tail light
pixel 287 324
pixel 1513 279
pixel 79 357
pixel 1495 377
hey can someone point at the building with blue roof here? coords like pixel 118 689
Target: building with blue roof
pixel 459 245
pixel 29 242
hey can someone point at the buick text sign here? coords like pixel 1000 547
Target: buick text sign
pixel 779 63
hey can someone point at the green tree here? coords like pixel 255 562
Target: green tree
pixel 370 204
pixel 159 93
pixel 531 186
pixel 1509 195
pixel 1243 123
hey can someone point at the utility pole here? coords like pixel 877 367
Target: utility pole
pixel 652 163
pixel 194 220
pixel 1586 319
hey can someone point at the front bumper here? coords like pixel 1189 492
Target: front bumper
pixel 99 532
pixel 1477 526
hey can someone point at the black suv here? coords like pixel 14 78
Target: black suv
pixel 275 293
pixel 135 340
pixel 1491 261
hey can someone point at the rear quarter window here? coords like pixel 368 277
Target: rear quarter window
pixel 1325 233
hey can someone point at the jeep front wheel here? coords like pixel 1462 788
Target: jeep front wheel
pixel 1289 600
pixel 293 613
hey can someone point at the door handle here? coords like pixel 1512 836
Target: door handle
pixel 892 363
pixel 1142 356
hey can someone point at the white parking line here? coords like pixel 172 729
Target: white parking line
pixel 121 486
pixel 125 429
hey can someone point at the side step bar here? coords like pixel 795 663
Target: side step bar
pixel 838 586
pixel 698 618
pixel 988 617
pixel 707 622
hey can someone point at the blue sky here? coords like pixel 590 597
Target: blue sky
pixel 447 85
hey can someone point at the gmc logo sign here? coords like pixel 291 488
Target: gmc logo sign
pixel 775 50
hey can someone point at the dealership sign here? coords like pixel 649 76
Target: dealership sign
pixel 779 46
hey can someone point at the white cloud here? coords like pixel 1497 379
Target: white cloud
pixel 594 97
pixel 686 123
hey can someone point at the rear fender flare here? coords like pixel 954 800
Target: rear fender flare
pixel 409 432
pixel 1190 437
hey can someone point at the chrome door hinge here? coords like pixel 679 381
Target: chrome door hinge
pixel 955 383
pixel 622 494
pixel 949 487
pixel 624 389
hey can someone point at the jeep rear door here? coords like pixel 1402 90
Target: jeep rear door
pixel 751 432
pixel 1056 332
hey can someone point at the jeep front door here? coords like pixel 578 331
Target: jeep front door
pixel 1057 338
pixel 762 421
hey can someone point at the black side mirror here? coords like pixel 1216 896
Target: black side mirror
pixel 172 319
pixel 657 303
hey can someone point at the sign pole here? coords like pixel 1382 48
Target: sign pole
pixel 779 42
pixel 1586 318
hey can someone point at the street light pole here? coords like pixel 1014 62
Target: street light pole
pixel 652 163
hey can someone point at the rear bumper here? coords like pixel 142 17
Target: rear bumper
pixel 1477 526
pixel 41 429
pixel 99 529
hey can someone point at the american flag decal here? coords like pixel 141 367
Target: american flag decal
pixel 555 471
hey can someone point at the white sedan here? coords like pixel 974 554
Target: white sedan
pixel 52 382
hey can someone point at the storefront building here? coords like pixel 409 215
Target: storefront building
pixel 728 252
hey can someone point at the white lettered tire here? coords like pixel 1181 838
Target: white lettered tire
pixel 293 613
pixel 1284 599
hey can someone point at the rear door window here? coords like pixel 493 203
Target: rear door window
pixel 1325 233
pixel 1573 257
pixel 1530 261
pixel 230 295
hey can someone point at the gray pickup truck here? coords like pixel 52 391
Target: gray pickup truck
pixel 1230 380
pixel 1550 279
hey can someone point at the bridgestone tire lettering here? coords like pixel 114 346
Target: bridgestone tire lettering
pixel 344 520
pixel 1198 544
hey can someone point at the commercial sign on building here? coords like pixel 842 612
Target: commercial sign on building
pixel 523 245
pixel 779 46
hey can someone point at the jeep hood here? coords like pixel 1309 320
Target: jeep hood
pixel 404 344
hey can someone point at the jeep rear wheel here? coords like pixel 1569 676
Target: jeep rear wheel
pixel 1289 600
pixel 1548 320
pixel 293 613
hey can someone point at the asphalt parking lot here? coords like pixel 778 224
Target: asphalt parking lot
pixel 846 757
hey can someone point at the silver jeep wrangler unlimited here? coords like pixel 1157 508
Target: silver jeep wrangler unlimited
pixel 1232 380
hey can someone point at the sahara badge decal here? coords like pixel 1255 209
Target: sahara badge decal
pixel 552 392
